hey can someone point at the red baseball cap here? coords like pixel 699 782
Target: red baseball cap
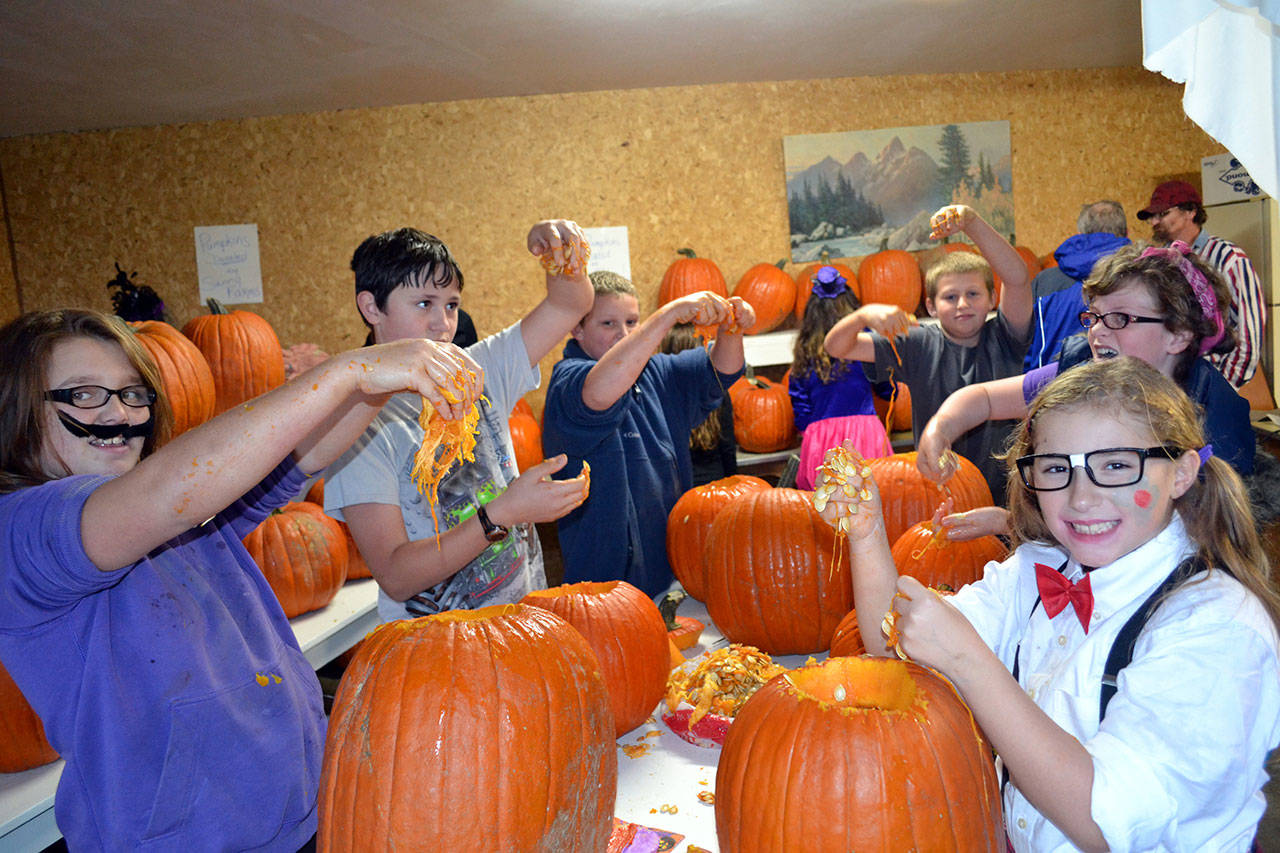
pixel 1167 195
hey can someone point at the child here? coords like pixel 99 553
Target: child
pixel 1118 506
pixel 1167 303
pixel 131 616
pixel 965 347
pixel 627 410
pixel 477 546
pixel 713 450
pixel 831 401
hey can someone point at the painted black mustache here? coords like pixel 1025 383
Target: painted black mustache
pixel 81 430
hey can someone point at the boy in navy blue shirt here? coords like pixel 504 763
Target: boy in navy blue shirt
pixel 626 410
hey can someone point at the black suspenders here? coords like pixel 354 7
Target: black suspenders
pixel 1121 653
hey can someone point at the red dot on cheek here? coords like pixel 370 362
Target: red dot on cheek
pixel 1142 498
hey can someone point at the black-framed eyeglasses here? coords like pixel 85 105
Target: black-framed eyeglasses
pixel 1114 319
pixel 95 396
pixel 1109 468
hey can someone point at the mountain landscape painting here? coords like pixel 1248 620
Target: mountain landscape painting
pixel 854 193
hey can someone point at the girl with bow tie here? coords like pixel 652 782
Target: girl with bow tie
pixel 1124 661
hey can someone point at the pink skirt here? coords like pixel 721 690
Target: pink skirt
pixel 866 431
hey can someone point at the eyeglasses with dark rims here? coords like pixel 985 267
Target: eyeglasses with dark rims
pixel 1114 319
pixel 1109 468
pixel 95 396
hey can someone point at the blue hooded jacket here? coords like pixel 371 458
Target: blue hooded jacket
pixel 1056 315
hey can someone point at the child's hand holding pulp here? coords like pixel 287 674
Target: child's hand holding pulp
pixel 935 459
pixel 951 219
pixel 535 497
pixel 703 308
pixel 444 374
pixel 561 247
pixel 928 629
pixel 741 316
pixel 975 523
pixel 887 320
pixel 846 495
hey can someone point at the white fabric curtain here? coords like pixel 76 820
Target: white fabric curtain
pixel 1228 55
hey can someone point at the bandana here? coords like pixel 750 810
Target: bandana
pixel 1178 253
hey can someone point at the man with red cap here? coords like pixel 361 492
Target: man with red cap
pixel 1176 213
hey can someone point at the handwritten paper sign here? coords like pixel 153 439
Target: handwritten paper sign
pixel 609 250
pixel 227 263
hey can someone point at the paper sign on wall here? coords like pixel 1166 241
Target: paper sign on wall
pixel 227 263
pixel 609 250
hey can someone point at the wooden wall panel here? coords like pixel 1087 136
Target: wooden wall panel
pixel 685 166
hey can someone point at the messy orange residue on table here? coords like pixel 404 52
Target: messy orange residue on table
pixel 635 750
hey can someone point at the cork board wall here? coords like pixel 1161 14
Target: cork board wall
pixel 687 166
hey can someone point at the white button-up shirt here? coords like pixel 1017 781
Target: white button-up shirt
pixel 1178 764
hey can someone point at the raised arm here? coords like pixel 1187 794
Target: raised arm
pixel 964 409
pixel 562 248
pixel 316 415
pixel 1016 300
pixel 849 340
pixel 620 367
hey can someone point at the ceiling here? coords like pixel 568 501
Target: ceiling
pixel 71 65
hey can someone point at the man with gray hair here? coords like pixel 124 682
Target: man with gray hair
pixel 1058 291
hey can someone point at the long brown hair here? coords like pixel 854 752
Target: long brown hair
pixel 820 314
pixel 1215 510
pixel 26 345
pixel 706 435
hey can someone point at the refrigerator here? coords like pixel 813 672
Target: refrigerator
pixel 1253 224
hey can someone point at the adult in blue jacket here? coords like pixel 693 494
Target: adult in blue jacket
pixel 1059 291
pixel 618 405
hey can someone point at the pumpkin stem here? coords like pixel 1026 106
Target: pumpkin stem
pixel 216 307
pixel 884 244
pixel 780 264
pixel 688 253
pixel 667 607
pixel 824 257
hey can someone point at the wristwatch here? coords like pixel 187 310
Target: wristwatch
pixel 492 532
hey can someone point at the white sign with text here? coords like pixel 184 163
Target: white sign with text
pixel 227 263
pixel 609 250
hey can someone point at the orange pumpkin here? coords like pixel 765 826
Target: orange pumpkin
pixel 926 554
pixel 184 373
pixel 857 753
pixel 762 417
pixel 314 503
pixel 804 281
pixel 1031 262
pixel 908 497
pixel 523 406
pixel 303 555
pixel 847 639
pixel 891 277
pixel 776 578
pixel 625 630
pixel 22 741
pixel 690 521
pixel 684 631
pixel 901 419
pixel 770 291
pixel 243 352
pixel 526 439
pixel 501 712
pixel 1047 261
pixel 691 274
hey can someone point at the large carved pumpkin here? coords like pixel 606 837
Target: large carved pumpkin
pixel 908 497
pixel 925 553
pixel 770 291
pixel 629 636
pixel 891 277
pixel 857 753
pixel 690 521
pixel 804 281
pixel 243 352
pixel 303 555
pixel 526 439
pixel 22 741
pixel 184 372
pixel 483 729
pixel 763 420
pixel 776 577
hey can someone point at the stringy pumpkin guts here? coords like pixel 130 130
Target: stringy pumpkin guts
pixel 574 254
pixel 443 443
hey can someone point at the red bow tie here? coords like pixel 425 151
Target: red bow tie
pixel 1056 592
